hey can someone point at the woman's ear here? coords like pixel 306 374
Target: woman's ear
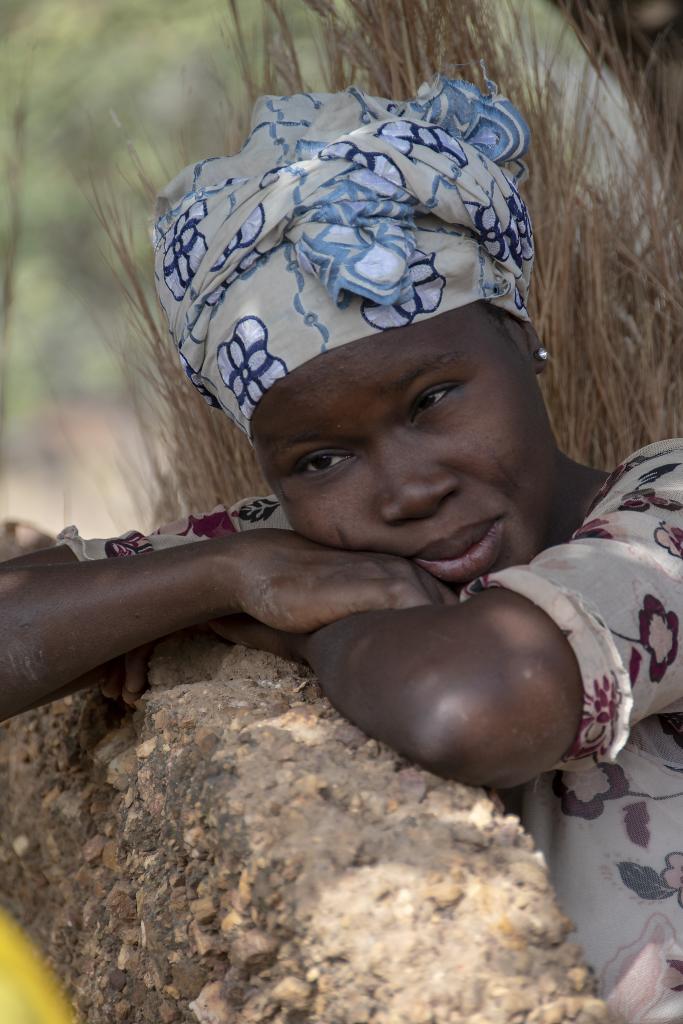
pixel 531 346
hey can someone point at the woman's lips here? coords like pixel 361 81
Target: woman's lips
pixel 478 558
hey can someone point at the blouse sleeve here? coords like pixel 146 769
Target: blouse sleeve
pixel 247 514
pixel 615 590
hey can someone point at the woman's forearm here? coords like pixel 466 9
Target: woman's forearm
pixel 58 621
pixel 487 692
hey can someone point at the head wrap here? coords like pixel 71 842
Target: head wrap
pixel 342 215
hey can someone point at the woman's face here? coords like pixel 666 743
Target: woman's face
pixel 429 441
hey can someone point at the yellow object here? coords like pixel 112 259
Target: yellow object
pixel 29 993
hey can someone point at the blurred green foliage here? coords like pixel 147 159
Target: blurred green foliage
pixel 99 75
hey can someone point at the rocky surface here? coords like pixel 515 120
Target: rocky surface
pixel 235 852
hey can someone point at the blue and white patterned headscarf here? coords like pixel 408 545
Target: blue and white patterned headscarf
pixel 342 215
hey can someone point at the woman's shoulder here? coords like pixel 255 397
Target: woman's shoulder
pixel 648 479
pixel 246 514
pixel 252 513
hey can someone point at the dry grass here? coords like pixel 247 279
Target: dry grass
pixel 14 165
pixel 605 190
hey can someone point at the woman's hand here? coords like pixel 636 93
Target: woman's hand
pixel 127 677
pixel 242 629
pixel 297 586
pixel 124 677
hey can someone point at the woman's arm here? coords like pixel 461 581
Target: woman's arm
pixel 488 692
pixel 61 619
pixel 123 677
pixel 42 556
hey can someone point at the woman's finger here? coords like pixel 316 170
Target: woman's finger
pixel 136 667
pixel 242 629
pixel 438 591
pixel 112 678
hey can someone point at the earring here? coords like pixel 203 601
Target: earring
pixel 542 354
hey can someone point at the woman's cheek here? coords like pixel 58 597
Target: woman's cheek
pixel 339 517
pixel 309 513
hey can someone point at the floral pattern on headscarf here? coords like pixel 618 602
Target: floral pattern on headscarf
pixel 342 214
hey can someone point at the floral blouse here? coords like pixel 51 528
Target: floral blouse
pixel 609 817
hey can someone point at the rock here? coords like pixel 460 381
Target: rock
pixel 20 845
pixel 233 852
pixel 117 980
pixel 293 992
pixel 92 850
pixel 203 910
pixel 120 769
pixel 210 1007
pixel 128 959
pixel 188 977
pixel 203 942
pixel 168 1013
pixel 120 905
pixel 253 950
pixel 146 748
pixel 110 855
pixel 113 743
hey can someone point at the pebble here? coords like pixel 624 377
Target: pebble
pixel 292 991
pixel 146 748
pixel 109 856
pixel 20 845
pixel 253 950
pixel 211 1008
pixel 117 980
pixel 92 849
pixel 203 910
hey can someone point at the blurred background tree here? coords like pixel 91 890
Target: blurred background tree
pixel 96 78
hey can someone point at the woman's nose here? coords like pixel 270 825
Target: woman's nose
pixel 415 490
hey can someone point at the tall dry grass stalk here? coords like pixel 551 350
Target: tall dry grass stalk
pixel 605 191
pixel 14 161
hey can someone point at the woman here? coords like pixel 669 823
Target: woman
pixel 351 289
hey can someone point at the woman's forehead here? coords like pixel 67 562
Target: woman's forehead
pixel 377 366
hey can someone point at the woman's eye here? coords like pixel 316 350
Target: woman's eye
pixel 430 399
pixel 318 463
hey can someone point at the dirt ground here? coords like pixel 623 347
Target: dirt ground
pixel 235 852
